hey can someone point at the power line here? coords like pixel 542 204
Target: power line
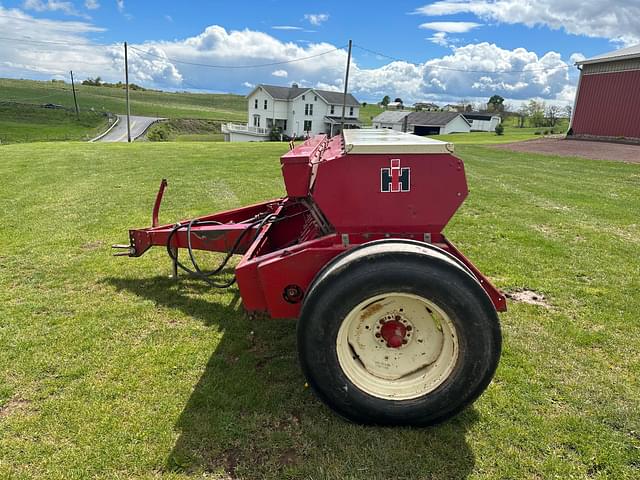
pixel 48 42
pixel 207 65
pixel 442 67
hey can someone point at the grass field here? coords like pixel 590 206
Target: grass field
pixel 29 123
pixel 110 370
pixel 511 134
pixel 368 112
pixel 225 107
pixel 186 130
pixel 221 107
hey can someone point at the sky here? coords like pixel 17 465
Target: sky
pixel 442 51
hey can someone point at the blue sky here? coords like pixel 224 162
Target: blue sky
pixel 443 50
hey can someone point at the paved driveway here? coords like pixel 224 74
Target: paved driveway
pixel 138 126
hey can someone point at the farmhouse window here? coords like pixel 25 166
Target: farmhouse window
pixel 308 108
pixel 315 98
pixel 256 120
pixel 303 97
pixel 265 104
pixel 332 109
pixel 351 111
pixel 307 125
pixel 255 103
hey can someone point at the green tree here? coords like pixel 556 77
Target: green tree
pixel 536 113
pixel 499 129
pixel 385 100
pixel 495 104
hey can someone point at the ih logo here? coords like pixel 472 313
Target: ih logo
pixel 396 178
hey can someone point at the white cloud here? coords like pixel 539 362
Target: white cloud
pixel 439 38
pixel 618 21
pixel 567 95
pixel 472 71
pixel 91 4
pixel 52 6
pixel 286 27
pixel 450 27
pixel 54 57
pixel 576 57
pixel 316 18
pixel 168 18
pixel 120 5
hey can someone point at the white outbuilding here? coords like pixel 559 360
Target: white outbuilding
pixel 390 119
pixel 482 122
pixel 436 123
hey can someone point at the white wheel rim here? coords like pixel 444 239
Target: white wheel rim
pixel 397 346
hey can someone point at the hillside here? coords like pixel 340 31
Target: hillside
pixel 23 123
pixel 147 103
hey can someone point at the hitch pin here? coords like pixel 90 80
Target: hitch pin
pixel 130 251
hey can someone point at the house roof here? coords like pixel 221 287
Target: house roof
pixel 338 121
pixel 433 119
pixel 391 116
pixel 478 116
pixel 289 93
pixel 622 54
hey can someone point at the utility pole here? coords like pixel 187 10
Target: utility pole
pixel 346 85
pixel 75 100
pixel 126 82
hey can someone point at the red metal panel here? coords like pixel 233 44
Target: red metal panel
pixel 348 191
pixel 608 105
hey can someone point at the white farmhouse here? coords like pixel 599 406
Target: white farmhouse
pixel 294 112
pixel 482 122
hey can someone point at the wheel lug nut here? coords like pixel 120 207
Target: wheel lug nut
pixel 378 335
pixel 409 328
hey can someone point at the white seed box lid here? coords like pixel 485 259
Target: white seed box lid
pixel 384 140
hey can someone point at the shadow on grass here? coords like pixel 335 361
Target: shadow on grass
pixel 250 415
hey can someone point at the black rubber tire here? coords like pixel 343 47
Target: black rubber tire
pixel 354 277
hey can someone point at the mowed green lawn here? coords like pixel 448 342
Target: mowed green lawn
pixel 110 370
pixel 511 134
pixel 32 123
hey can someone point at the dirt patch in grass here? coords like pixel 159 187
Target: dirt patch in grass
pixel 90 246
pixel 528 296
pixel 577 148
pixel 12 406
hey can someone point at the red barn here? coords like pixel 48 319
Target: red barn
pixel 608 98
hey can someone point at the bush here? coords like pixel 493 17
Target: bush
pixel 275 134
pixel 158 133
pixel 537 132
pixel 499 129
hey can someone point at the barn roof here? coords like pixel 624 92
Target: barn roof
pixel 391 116
pixel 622 54
pixel 433 119
pixel 289 93
pixel 478 116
